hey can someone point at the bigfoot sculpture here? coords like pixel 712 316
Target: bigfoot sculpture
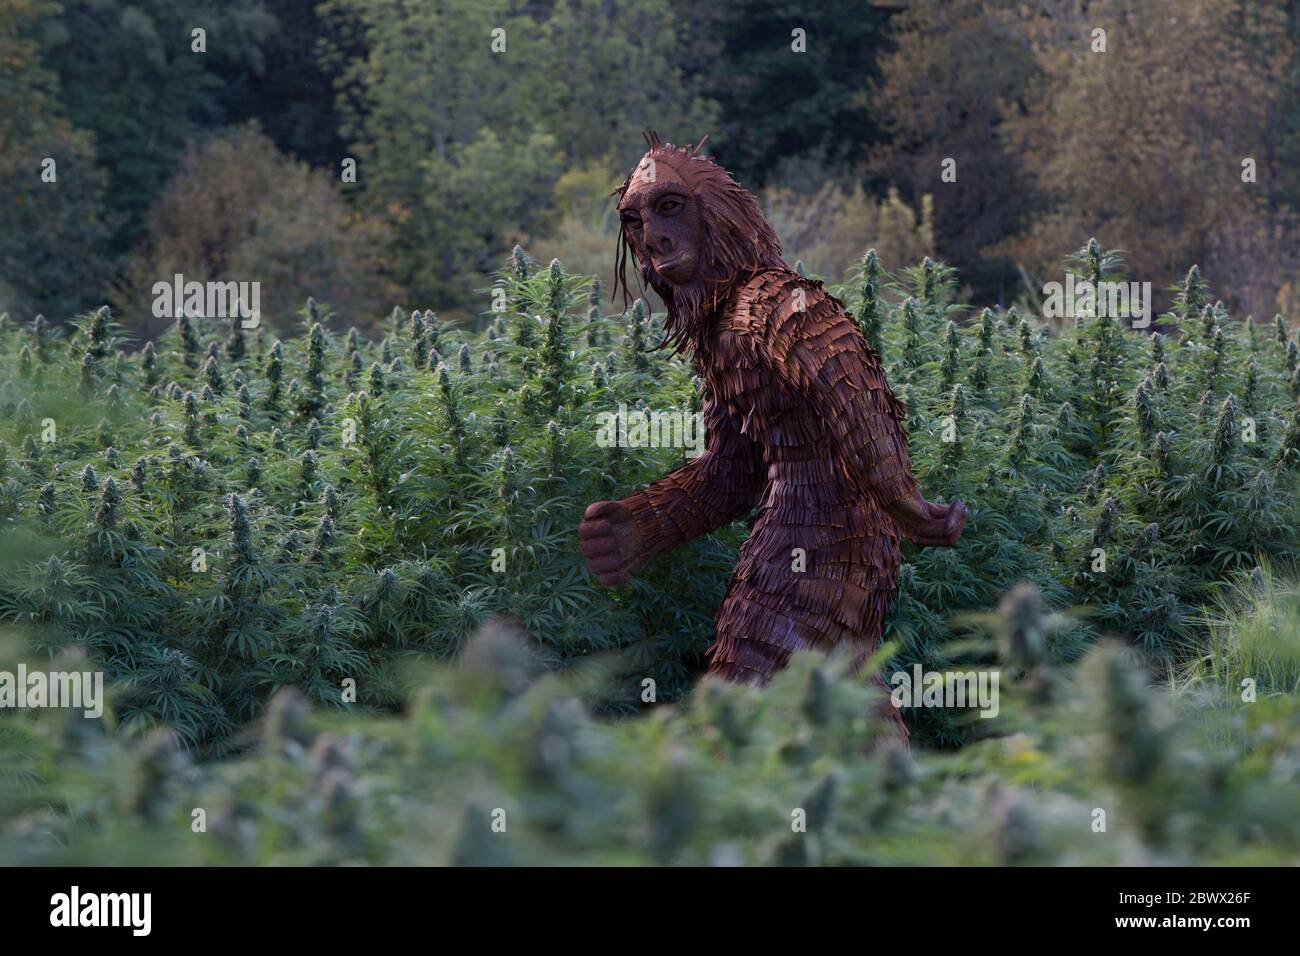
pixel 801 426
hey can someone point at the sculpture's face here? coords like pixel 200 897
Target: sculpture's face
pixel 661 218
pixel 692 232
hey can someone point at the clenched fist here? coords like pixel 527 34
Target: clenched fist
pixel 610 542
pixel 928 524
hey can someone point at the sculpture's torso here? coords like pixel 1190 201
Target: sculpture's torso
pixel 821 565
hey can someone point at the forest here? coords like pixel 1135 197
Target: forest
pixel 324 552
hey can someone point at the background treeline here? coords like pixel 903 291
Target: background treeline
pixel 227 164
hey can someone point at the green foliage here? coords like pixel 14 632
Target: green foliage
pixel 495 763
pixel 1254 635
pixel 751 56
pixel 52 249
pixel 506 100
pixel 276 516
pixel 238 210
pixel 1092 440
pixel 216 517
pixel 130 77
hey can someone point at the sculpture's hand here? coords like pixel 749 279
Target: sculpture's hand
pixel 927 524
pixel 610 542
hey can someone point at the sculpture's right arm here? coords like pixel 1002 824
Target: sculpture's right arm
pixel 714 489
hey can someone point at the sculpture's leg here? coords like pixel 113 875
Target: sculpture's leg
pixel 746 662
pixel 772 610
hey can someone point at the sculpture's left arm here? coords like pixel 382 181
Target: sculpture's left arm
pixel 820 353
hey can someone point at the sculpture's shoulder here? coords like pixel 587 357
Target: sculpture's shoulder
pixel 769 295
pixel 784 320
pixel 780 304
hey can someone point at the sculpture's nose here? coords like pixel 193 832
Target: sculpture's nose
pixel 657 241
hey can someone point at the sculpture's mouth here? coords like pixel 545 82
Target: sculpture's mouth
pixel 676 268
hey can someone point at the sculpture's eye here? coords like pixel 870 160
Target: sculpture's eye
pixel 631 220
pixel 670 205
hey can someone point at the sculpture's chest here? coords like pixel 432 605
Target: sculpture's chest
pixel 749 389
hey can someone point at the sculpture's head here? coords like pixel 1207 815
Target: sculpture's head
pixel 693 231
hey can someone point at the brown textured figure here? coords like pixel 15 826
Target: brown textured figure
pixel 802 426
